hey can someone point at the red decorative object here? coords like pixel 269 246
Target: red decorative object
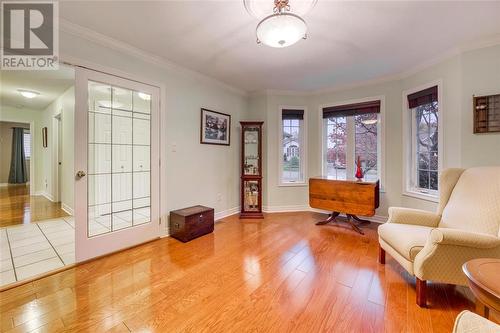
pixel 359 171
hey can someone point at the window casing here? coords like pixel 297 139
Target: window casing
pixel 423 143
pixel 351 134
pixel 292 142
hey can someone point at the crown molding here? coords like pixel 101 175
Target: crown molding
pixel 96 37
pixel 106 41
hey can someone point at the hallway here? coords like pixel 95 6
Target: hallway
pixel 18 207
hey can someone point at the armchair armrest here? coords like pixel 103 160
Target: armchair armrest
pixel 457 237
pixel 446 250
pixel 413 216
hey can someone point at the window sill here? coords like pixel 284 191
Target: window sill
pixel 296 184
pixel 422 196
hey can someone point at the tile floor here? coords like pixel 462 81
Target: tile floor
pixel 32 249
pixel 36 248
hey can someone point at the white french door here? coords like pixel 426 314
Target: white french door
pixel 116 163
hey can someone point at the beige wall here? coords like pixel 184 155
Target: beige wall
pixel 473 72
pixel 195 173
pixel 6 149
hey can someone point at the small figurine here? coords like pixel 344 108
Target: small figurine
pixel 359 172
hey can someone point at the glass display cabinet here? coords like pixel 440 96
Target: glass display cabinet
pixel 251 169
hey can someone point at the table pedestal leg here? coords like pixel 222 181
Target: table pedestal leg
pixel 332 218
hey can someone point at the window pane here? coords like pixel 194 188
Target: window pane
pixel 433 180
pixel 426 145
pixel 27 144
pixel 366 144
pixel 291 151
pixel 336 141
pixel 423 179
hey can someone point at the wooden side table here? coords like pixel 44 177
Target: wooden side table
pixel 351 197
pixel 483 276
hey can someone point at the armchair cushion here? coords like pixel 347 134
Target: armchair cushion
pixel 468 322
pixel 405 239
pixel 413 216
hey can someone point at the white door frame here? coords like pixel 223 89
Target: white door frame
pixel 56 195
pixel 91 247
pixel 75 62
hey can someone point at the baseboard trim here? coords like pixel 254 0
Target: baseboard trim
pixel 305 208
pixel 67 209
pixel 284 209
pixel 225 213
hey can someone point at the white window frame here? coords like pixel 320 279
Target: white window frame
pixel 409 160
pixel 303 147
pixel 27 131
pixel 351 137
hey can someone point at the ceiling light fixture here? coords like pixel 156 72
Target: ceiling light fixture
pixel 284 27
pixel 28 93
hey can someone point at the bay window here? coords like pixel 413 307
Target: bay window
pixel 351 131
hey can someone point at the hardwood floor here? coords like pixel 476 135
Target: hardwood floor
pixel 280 274
pixel 18 207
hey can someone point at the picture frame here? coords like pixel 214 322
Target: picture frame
pixel 215 128
pixel 44 137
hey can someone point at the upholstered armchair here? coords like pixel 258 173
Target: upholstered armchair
pixel 434 246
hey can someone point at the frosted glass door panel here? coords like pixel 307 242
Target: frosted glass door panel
pixel 99 158
pixel 122 130
pixel 122 158
pixel 141 131
pixel 99 128
pixel 119 158
pixel 142 158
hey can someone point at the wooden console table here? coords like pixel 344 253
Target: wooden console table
pixel 482 276
pixel 351 197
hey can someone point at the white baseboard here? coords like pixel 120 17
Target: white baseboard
pixel 44 194
pixel 305 208
pixel 225 213
pixel 67 209
pixel 284 209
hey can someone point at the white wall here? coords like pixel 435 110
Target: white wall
pixel 473 72
pixel 195 173
pixel 64 105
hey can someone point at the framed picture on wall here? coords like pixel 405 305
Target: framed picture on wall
pixel 215 128
pixel 44 137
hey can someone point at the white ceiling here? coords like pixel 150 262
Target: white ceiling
pixel 50 85
pixel 349 42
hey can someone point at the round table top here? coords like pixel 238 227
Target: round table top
pixel 485 273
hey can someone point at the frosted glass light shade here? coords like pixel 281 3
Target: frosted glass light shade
pixel 281 30
pixel 262 8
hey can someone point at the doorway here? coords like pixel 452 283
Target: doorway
pixel 117 167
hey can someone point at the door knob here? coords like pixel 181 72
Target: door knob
pixel 80 174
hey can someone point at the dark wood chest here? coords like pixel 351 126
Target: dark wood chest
pixel 192 222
